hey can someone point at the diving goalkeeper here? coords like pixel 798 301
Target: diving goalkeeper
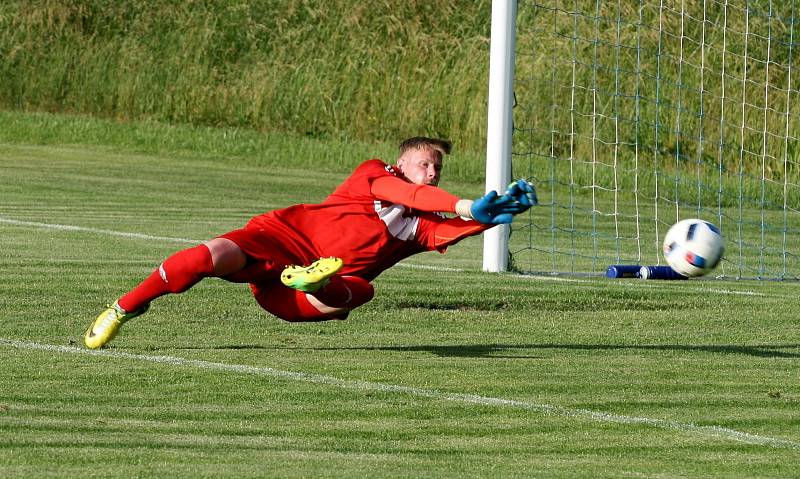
pixel 378 216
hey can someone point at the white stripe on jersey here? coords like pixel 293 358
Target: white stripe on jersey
pixel 400 226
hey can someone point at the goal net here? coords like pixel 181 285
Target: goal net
pixel 630 116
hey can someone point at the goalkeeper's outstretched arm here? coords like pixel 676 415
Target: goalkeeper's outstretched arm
pixel 437 233
pixel 490 209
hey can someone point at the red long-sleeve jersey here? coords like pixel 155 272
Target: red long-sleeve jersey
pixel 374 219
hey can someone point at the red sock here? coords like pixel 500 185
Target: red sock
pixel 345 292
pixel 176 274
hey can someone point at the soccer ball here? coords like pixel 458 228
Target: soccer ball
pixel 693 247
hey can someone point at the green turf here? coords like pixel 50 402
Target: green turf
pixel 444 374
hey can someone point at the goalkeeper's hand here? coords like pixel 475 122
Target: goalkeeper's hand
pixel 523 192
pixel 492 209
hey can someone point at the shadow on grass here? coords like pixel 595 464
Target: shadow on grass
pixel 522 351
pixel 527 351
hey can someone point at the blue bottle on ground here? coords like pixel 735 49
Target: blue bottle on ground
pixel 659 272
pixel 623 271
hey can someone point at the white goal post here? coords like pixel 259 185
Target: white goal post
pixel 500 127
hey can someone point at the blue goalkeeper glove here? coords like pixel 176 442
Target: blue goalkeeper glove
pixel 523 192
pixel 492 209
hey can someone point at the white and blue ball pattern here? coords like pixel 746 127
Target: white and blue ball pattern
pixel 693 247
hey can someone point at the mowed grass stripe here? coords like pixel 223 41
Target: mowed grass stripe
pixel 546 409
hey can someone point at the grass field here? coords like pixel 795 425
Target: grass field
pixel 448 372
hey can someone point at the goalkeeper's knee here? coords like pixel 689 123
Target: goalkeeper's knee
pixel 345 292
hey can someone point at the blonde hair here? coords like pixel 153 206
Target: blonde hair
pixel 442 147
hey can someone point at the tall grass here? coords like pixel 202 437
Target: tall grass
pixel 340 68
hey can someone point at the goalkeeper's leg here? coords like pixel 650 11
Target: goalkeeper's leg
pixel 333 301
pixel 178 273
pixel 184 269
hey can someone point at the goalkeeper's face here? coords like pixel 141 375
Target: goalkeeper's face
pixel 422 167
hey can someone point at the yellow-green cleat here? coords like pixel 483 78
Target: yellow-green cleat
pixel 310 279
pixel 105 327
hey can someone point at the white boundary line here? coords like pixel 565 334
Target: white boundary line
pixel 95 230
pixel 544 409
pixel 540 277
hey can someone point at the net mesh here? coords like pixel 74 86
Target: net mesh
pixel 631 116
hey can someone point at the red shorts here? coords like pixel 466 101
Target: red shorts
pixel 267 256
pixel 270 247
